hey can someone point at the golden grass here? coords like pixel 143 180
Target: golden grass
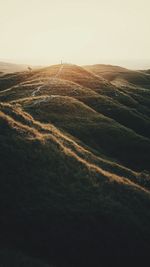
pixel 47 133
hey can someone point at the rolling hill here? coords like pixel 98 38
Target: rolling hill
pixel 6 67
pixel 75 167
pixel 116 74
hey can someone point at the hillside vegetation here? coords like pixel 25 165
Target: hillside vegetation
pixel 75 163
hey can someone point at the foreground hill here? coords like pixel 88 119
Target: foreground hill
pixel 55 195
pixel 74 161
pixel 95 130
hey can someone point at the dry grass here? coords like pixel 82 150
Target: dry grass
pixel 66 194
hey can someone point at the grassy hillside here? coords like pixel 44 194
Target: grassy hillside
pixel 53 180
pixel 74 161
pixel 95 130
pixel 114 73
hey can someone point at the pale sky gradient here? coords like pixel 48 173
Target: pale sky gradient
pixel 76 31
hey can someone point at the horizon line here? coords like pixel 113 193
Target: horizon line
pixel 133 64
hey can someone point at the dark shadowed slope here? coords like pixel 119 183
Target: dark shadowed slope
pixel 58 204
pixel 95 130
pixel 74 162
pixel 11 257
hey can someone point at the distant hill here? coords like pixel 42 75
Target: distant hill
pixel 115 74
pixel 74 162
pixel 6 67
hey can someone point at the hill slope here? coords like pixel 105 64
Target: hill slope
pixel 49 176
pixel 74 161
pixel 6 67
pixel 115 73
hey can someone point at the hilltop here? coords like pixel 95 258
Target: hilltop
pixel 75 150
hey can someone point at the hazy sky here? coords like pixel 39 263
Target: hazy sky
pixel 76 31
